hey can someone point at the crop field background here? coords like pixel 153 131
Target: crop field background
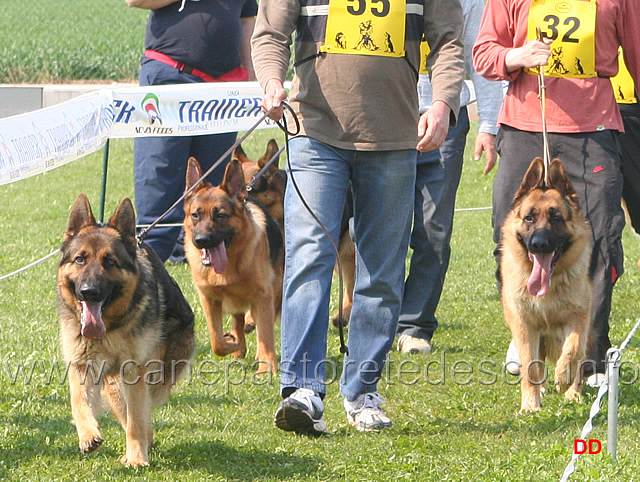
pixel 455 412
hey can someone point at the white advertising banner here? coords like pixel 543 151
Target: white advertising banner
pixel 42 140
pixel 186 110
pixel 48 138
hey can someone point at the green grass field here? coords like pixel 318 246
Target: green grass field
pixel 455 415
pixel 62 40
pixel 452 420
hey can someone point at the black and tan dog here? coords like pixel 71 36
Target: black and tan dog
pixel 269 190
pixel 234 249
pixel 546 285
pixel 269 187
pixel 126 329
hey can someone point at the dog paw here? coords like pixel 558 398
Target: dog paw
pixel 230 338
pixel 573 395
pixel 239 354
pixel 530 409
pixel 337 322
pixel 90 442
pixel 134 462
pixel 266 366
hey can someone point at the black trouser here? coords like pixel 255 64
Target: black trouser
pixel 592 163
pixel 629 145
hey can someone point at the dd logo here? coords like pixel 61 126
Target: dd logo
pixel 580 446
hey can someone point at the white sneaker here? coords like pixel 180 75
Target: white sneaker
pixel 365 414
pixel 595 380
pixel 302 413
pixel 512 361
pixel 413 345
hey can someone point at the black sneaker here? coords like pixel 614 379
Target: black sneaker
pixel 301 413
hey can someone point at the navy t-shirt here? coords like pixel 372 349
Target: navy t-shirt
pixel 205 35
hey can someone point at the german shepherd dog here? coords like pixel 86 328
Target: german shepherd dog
pixel 546 285
pixel 269 187
pixel 347 255
pixel 233 247
pixel 269 190
pixel 124 324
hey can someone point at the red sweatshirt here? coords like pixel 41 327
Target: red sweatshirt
pixel 573 104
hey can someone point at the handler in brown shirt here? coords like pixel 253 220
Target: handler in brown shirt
pixel 354 93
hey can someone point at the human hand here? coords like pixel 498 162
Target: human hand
pixel 274 95
pixel 533 54
pixel 486 143
pixel 433 127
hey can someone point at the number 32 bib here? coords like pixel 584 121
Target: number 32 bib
pixel 571 25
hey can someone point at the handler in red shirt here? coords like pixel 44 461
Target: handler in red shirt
pixel 579 53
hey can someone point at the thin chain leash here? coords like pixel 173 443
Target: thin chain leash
pixel 542 95
pixel 140 236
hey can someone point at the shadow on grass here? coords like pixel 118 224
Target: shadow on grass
pixel 218 459
pixel 41 436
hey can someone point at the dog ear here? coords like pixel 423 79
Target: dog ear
pixel 194 172
pixel 79 217
pixel 124 221
pixel 559 181
pixel 238 153
pixel 533 178
pixel 233 182
pixel 272 148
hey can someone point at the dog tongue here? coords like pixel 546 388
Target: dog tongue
pixel 218 257
pixel 540 278
pixel 92 325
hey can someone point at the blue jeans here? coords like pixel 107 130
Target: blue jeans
pixel 382 185
pixel 160 165
pixel 437 180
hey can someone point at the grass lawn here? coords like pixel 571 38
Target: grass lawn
pixel 455 414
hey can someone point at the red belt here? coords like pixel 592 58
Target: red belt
pixel 236 75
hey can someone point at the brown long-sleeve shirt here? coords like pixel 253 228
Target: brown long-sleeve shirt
pixel 361 102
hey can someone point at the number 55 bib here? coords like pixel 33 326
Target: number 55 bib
pixel 571 25
pixel 366 27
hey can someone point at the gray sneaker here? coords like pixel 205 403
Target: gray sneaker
pixel 301 413
pixel 413 345
pixel 365 414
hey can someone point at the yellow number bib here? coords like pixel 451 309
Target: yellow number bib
pixel 622 83
pixel 366 27
pixel 571 25
pixel 424 53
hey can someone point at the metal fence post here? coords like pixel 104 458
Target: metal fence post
pixel 613 361
pixel 103 186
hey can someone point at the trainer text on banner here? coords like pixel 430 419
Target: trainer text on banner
pixel 42 140
pixel 172 110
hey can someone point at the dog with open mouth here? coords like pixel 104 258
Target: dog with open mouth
pixel 546 284
pixel 125 327
pixel 234 248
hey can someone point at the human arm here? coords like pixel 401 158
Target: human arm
pixel 270 49
pixel 630 40
pixel 489 93
pixel 248 24
pixel 149 4
pixel 534 53
pixel 501 49
pixel 443 29
pixel 274 95
pixel 433 126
